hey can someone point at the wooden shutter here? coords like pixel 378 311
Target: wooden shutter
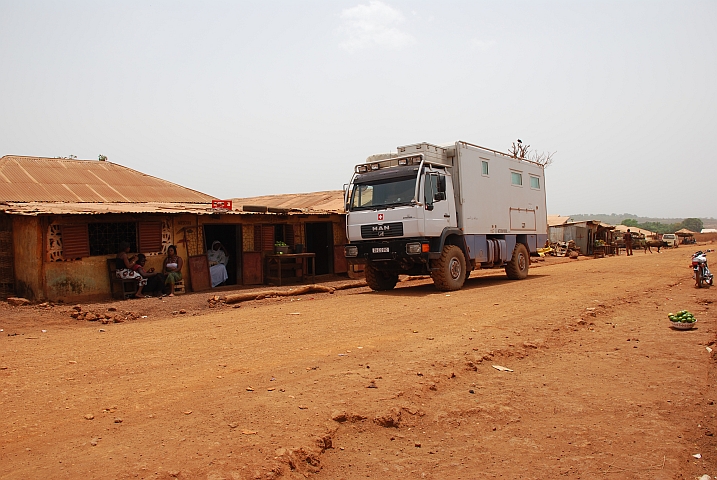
pixel 75 241
pixel 289 235
pixel 267 238
pixel 150 237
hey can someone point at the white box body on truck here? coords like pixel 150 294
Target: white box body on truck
pixel 444 211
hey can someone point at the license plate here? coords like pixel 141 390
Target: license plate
pixel 380 250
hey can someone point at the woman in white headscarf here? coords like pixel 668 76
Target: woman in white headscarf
pixel 218 258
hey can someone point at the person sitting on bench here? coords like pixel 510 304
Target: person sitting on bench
pixel 125 270
pixel 172 268
pixel 155 280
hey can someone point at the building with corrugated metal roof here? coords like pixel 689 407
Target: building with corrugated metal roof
pixel 62 219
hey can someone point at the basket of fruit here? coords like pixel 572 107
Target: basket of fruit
pixel 682 320
pixel 281 248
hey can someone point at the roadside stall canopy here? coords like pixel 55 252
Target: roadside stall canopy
pixel 642 231
pixel 683 232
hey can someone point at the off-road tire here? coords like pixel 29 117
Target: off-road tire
pixel 449 271
pixel 517 268
pixel 378 280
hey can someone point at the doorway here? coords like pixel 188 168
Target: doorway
pixel 320 240
pixel 231 237
pixel 7 272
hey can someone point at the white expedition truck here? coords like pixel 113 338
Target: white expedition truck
pixel 444 211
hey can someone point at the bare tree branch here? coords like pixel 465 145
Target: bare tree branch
pixel 520 150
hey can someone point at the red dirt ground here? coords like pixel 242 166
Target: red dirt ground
pixel 353 384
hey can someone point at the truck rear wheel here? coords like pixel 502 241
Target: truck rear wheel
pixel 379 280
pixel 449 271
pixel 517 268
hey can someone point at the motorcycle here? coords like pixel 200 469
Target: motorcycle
pixel 701 272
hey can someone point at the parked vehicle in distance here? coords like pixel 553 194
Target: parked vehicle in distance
pixel 444 211
pixel 671 239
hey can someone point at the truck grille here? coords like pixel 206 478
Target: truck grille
pixel 383 230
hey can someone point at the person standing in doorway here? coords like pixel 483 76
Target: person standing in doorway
pixel 628 242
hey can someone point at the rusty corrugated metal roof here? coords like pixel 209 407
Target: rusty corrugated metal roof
pixel 556 220
pixel 85 208
pixel 331 201
pixel 36 179
pixel 89 208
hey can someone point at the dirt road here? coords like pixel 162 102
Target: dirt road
pixel 381 385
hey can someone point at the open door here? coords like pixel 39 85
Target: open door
pixel 320 240
pixel 230 236
pixel 7 271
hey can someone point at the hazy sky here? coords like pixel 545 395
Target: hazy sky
pixel 241 98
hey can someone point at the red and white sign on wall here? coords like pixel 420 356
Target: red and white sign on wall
pixel 380 216
pixel 222 204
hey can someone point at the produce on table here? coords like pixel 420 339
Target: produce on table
pixel 683 316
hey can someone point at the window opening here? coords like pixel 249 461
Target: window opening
pixel 430 189
pixel 484 166
pixel 106 237
pixel 516 178
pixel 535 182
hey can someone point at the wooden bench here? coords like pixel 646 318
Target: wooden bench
pixel 120 288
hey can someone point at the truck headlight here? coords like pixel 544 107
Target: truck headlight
pixel 350 251
pixel 413 248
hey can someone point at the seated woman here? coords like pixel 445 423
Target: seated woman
pixel 124 270
pixel 172 268
pixel 155 280
pixel 217 263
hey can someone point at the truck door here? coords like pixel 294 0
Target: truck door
pixel 437 207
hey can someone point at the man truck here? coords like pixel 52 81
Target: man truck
pixel 444 211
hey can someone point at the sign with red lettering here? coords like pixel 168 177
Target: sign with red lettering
pixel 222 204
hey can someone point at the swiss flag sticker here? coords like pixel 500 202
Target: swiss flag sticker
pixel 380 216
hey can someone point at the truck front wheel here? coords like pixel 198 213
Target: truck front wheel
pixel 449 271
pixel 379 280
pixel 517 268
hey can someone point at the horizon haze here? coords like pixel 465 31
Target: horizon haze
pixel 241 99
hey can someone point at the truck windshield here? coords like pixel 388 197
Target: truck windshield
pixel 383 193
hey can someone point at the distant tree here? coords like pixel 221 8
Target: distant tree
pixel 692 224
pixel 629 222
pixel 659 227
pixel 102 158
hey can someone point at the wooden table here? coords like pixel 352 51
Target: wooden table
pixel 602 250
pixel 290 261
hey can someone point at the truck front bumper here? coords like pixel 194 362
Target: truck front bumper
pixel 403 249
